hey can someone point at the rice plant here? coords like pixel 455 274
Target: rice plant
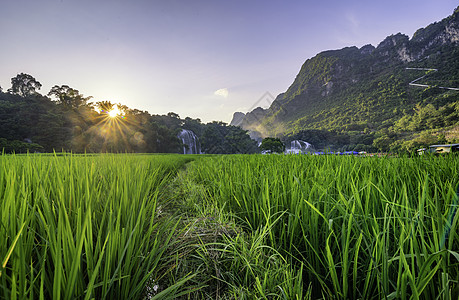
pixel 351 227
pixel 240 226
pixel 84 227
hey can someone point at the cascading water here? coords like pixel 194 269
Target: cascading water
pixel 190 142
pixel 299 146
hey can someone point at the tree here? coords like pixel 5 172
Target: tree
pixel 24 85
pixel 173 115
pixel 68 96
pixel 194 125
pixel 218 138
pixel 105 106
pixel 16 146
pixel 239 141
pixel 383 143
pixel 161 139
pixel 171 120
pixel 213 138
pixel 273 145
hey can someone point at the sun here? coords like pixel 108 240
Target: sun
pixel 114 112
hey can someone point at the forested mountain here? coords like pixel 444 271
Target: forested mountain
pixel 66 120
pixel 370 98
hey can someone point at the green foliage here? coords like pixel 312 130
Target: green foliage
pixel 166 139
pixel 218 138
pixel 68 96
pixel 349 227
pixel 35 119
pixel 86 227
pixel 273 145
pixel 24 85
pixel 19 147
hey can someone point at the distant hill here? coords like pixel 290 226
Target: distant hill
pixel 362 98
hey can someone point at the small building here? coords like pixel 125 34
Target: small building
pixel 439 149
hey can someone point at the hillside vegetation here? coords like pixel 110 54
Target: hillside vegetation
pixel 363 97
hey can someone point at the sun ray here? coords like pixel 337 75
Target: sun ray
pixel 115 127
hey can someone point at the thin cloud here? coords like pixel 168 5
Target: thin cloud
pixel 222 92
pixel 353 21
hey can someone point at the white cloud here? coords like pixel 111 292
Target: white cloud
pixel 222 92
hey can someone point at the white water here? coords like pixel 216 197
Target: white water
pixel 299 146
pixel 190 141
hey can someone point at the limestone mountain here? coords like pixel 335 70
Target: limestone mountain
pixel 237 119
pixel 370 91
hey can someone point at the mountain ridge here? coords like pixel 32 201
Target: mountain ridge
pixel 351 89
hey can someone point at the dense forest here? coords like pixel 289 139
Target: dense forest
pixel 66 120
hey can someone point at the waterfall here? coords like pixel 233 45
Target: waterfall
pixel 299 146
pixel 190 142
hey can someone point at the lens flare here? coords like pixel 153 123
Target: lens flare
pixel 115 129
pixel 115 112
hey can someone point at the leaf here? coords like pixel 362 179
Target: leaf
pixel 10 250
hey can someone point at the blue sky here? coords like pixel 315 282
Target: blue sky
pixel 202 59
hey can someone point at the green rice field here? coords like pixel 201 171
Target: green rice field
pixel 125 226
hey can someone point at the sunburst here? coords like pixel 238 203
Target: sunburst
pixel 115 112
pixel 114 126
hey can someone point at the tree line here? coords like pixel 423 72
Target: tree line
pixel 66 120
